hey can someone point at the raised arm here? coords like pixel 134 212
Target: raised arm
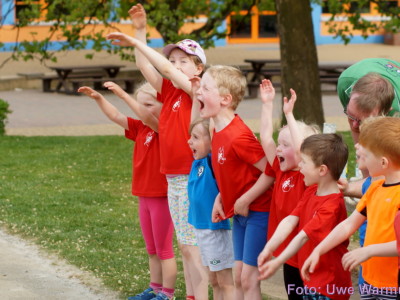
pixel 139 22
pixel 143 114
pixel 267 93
pixel 288 105
pixel 340 233
pixel 108 109
pixel 161 63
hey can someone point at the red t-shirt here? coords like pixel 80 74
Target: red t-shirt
pixel 147 181
pixel 235 150
pixel 288 190
pixel 318 215
pixel 173 128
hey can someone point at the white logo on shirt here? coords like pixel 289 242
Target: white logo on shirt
pixel 200 171
pixel 287 184
pixel 221 155
pixel 149 138
pixel 177 104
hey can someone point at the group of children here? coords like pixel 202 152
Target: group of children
pixel 196 165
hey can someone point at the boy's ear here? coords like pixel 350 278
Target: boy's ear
pixel 323 170
pixel 384 162
pixel 226 100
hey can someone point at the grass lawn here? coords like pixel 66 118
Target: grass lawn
pixel 71 196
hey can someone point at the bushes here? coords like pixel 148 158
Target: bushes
pixel 4 110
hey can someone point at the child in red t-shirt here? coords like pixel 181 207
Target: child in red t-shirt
pixel 238 161
pixel 283 161
pixel 171 78
pixel 322 207
pixel 147 182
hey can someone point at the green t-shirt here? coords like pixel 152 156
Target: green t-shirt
pixel 387 68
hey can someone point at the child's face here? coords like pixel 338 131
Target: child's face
pixel 308 169
pixel 184 63
pixel 287 157
pixel 360 157
pixel 373 163
pixel 199 142
pixel 149 103
pixel 209 97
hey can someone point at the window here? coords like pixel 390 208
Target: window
pixel 25 8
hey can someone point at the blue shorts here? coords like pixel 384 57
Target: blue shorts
pixel 249 236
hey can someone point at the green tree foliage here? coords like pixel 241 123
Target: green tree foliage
pixel 4 111
pixel 389 11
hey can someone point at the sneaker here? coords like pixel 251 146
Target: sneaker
pixel 162 296
pixel 145 295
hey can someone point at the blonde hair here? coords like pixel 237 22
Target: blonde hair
pixel 205 124
pixel 305 129
pixel 229 81
pixel 146 88
pixel 381 135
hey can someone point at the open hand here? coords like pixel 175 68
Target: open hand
pixel 267 91
pixel 288 105
pixel 138 16
pixel 121 39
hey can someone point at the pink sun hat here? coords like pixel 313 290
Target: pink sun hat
pixel 188 46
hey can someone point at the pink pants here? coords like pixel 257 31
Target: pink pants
pixel 157 226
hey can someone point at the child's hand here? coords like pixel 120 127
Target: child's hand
pixel 138 16
pixel 267 91
pixel 217 214
pixel 343 184
pixel 288 105
pixel 268 269
pixel 309 265
pixel 115 88
pixel 88 91
pixel 121 39
pixel 264 257
pixel 241 208
pixel 353 258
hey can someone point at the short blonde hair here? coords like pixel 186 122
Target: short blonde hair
pixel 205 123
pixel 229 81
pixel 146 88
pixel 380 135
pixel 305 129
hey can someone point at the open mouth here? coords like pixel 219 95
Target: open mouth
pixel 281 159
pixel 201 104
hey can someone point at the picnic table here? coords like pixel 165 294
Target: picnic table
pixel 267 68
pixel 69 78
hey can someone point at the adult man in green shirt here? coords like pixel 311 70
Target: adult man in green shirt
pixel 369 87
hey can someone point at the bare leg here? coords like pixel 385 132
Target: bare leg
pixel 212 278
pixel 155 269
pixel 198 276
pixel 168 267
pixel 238 280
pixel 225 283
pixel 250 284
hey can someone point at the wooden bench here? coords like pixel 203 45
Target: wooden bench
pixel 97 83
pixel 48 79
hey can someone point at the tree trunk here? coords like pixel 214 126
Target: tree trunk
pixel 299 59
